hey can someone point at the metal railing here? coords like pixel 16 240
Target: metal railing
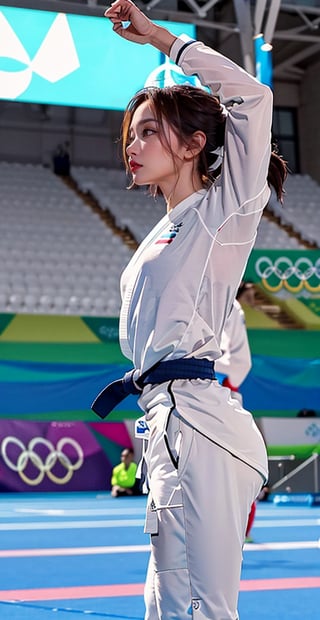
pixel 312 460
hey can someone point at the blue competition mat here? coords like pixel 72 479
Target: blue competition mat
pixel 80 555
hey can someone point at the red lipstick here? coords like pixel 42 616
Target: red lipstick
pixel 134 166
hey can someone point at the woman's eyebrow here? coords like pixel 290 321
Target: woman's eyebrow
pixel 147 120
pixel 144 121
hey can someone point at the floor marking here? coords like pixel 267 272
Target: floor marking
pixel 61 525
pixel 71 551
pixel 17 512
pixel 287 512
pixel 285 583
pixel 83 512
pixel 77 592
pixel 286 522
pixel 26 553
pixel 136 589
pixel 281 546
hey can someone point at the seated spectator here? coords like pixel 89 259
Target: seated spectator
pixel 123 480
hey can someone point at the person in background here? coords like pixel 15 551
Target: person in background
pixel 246 295
pixel 235 362
pixel 123 479
pixel 208 152
pixel 234 365
pixel 61 160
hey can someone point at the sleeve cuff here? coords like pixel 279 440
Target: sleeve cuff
pixel 178 47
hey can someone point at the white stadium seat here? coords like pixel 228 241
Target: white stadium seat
pixel 55 250
pixel 58 255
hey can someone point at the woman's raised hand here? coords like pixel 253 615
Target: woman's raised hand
pixel 140 28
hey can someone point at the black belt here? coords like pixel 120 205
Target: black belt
pixel 115 392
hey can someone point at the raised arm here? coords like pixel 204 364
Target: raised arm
pixel 247 146
pixel 248 103
pixel 131 24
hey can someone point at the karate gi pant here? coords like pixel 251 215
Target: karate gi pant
pixel 198 506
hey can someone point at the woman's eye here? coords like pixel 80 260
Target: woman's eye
pixel 148 131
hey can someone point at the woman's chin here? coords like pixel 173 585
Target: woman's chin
pixel 140 182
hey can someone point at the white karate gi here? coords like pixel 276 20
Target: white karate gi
pixel 235 362
pixel 206 458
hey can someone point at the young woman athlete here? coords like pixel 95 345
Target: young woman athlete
pixel 206 460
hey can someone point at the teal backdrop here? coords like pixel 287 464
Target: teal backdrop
pixel 73 60
pixel 51 368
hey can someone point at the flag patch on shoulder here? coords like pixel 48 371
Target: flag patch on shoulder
pixel 170 235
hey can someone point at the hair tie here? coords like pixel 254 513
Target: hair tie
pixel 219 158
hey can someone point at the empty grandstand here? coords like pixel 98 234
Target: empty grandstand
pixel 57 256
pixel 61 257
pixel 301 210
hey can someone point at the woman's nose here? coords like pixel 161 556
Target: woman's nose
pixel 132 147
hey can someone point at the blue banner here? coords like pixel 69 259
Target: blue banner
pixel 279 383
pixel 26 388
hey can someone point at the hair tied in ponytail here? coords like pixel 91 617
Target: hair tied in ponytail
pixel 218 152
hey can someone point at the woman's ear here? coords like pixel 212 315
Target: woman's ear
pixel 196 144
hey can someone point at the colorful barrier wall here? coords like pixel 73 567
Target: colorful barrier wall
pixel 59 456
pixel 51 368
pixel 301 437
pixel 292 279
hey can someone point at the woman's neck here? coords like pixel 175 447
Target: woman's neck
pixel 181 191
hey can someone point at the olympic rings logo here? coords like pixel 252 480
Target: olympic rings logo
pixel 43 465
pixel 286 274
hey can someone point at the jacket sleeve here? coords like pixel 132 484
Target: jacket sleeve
pixel 235 361
pixel 248 105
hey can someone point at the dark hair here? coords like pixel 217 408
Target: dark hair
pixel 188 109
pixel 129 450
pixel 277 173
pixel 244 287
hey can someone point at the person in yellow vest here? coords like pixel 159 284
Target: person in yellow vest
pixel 123 480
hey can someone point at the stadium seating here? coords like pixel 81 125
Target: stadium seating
pixel 271 235
pixel 301 207
pixel 138 212
pixel 57 255
pixel 133 210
